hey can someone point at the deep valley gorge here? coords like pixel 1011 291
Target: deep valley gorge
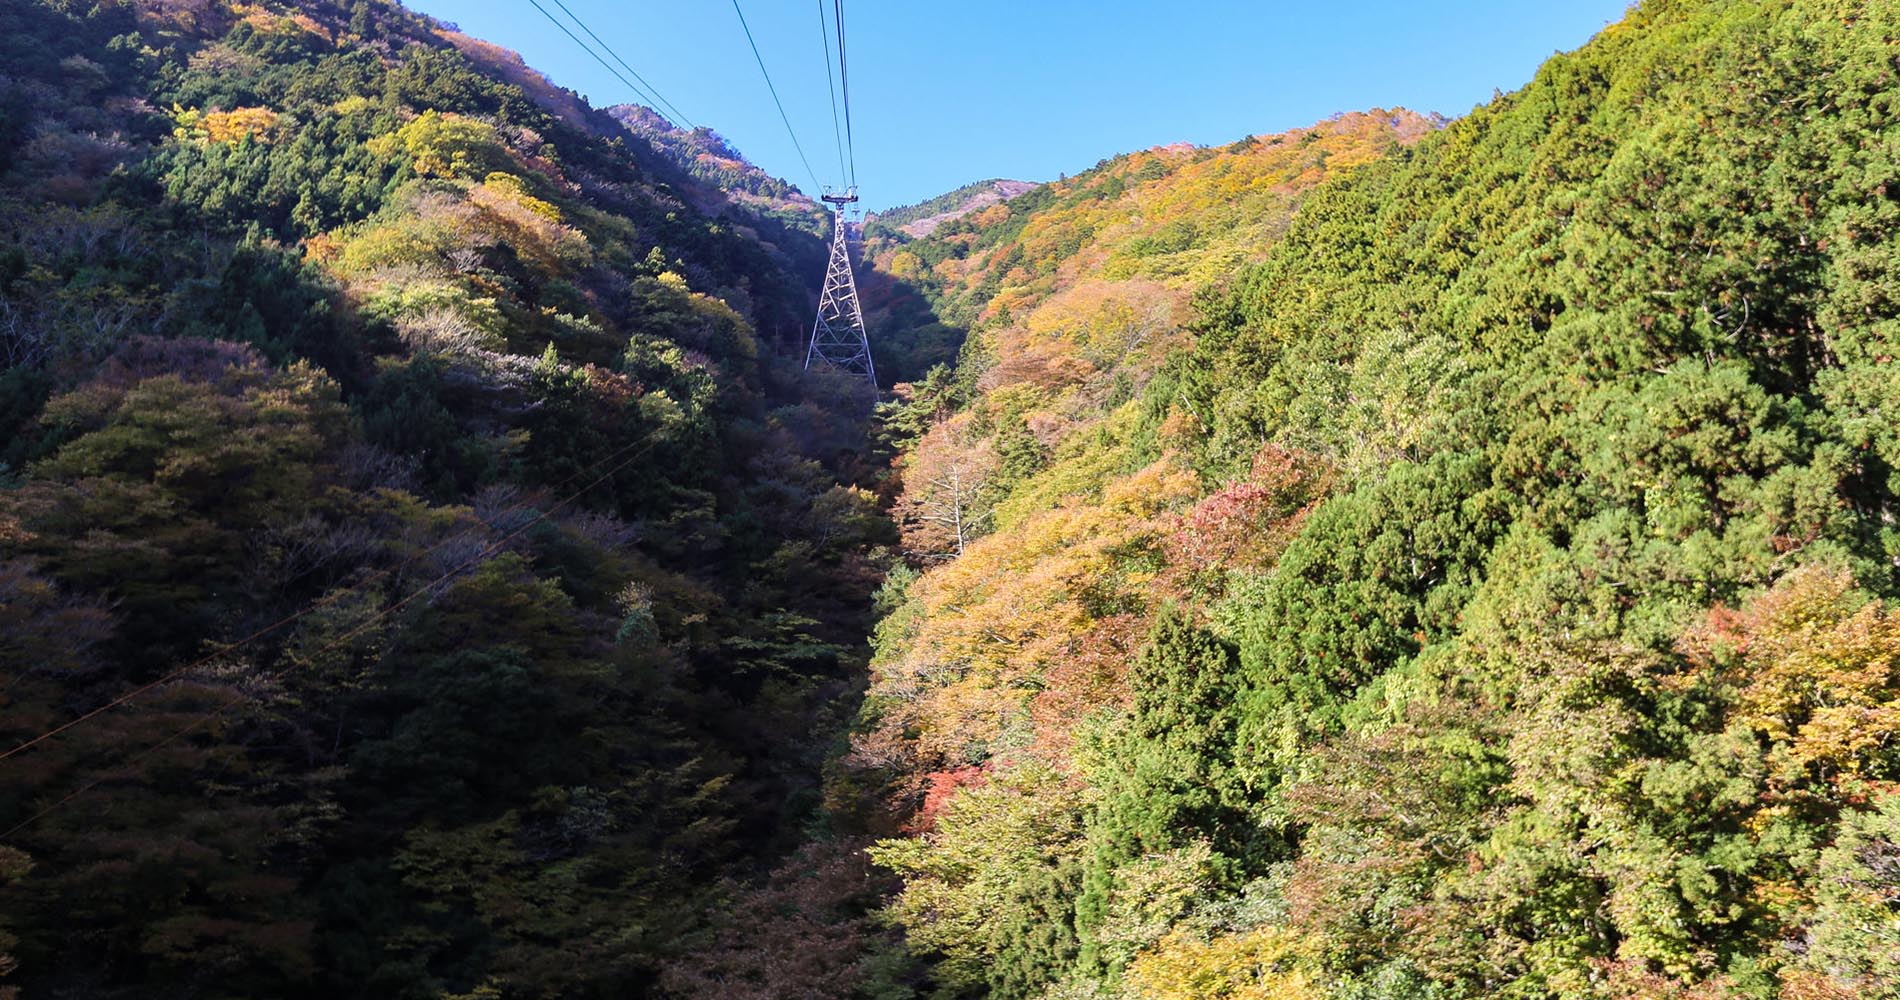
pixel 1400 557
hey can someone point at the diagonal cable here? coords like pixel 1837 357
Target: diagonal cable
pixel 809 172
pixel 565 30
pixel 844 84
pixel 831 89
pixel 677 116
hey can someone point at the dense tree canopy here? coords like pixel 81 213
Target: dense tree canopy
pixel 1397 558
pixel 400 443
pixel 1520 623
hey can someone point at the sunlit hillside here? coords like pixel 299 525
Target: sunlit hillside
pixel 1419 559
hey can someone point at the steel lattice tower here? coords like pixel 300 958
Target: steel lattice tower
pixel 838 340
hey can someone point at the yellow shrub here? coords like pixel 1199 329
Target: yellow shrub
pixel 234 125
pixel 1261 964
pixel 193 125
pixel 515 189
pixel 446 145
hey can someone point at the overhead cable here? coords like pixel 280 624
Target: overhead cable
pixel 831 90
pixel 809 172
pixel 677 117
pixel 844 85
pixel 565 30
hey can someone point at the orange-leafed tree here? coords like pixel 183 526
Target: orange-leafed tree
pixel 1817 664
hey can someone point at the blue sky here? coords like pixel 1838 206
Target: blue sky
pixel 950 92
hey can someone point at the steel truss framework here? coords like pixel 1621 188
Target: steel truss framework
pixel 838 340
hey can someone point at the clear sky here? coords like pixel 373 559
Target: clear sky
pixel 948 92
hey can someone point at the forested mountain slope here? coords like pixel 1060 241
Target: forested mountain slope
pixel 403 519
pixel 1489 593
pixel 1150 225
pixel 1073 294
pixel 1391 559
pixel 729 184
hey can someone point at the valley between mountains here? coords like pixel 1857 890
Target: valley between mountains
pixel 1398 558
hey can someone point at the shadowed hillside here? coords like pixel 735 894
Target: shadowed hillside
pixel 431 579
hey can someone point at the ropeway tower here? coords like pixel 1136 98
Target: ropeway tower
pixel 838 340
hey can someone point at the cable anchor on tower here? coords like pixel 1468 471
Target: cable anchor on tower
pixel 838 339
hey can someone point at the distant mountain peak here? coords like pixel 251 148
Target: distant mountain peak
pixel 920 220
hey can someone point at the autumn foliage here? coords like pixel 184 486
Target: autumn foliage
pixel 1426 559
pixel 425 581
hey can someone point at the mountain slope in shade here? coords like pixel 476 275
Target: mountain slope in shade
pixel 721 183
pixel 392 433
pixel 708 158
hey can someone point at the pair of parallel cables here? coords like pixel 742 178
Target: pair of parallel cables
pixel 836 87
